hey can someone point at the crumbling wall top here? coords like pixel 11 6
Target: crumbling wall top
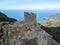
pixel 29 17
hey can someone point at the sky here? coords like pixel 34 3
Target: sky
pixel 16 5
pixel 30 4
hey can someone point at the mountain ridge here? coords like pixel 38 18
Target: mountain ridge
pixel 4 17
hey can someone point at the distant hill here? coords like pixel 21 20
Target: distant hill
pixel 52 20
pixel 50 24
pixel 4 17
pixel 54 17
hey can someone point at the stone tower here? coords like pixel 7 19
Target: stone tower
pixel 29 18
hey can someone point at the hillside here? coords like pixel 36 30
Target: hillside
pixel 54 31
pixel 4 17
pixel 52 26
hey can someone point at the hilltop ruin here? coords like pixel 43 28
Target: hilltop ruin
pixel 27 32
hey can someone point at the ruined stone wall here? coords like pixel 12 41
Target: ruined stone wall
pixel 29 17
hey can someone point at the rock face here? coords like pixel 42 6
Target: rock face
pixel 25 33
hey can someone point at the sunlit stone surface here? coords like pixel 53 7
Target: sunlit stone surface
pixel 24 32
pixel 29 17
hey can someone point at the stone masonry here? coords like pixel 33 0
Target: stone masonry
pixel 29 17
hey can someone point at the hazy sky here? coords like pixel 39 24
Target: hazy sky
pixel 29 4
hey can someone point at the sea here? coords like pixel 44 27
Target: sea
pixel 19 14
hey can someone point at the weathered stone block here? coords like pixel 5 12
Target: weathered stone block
pixel 29 18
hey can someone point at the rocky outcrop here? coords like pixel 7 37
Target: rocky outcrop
pixel 25 34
